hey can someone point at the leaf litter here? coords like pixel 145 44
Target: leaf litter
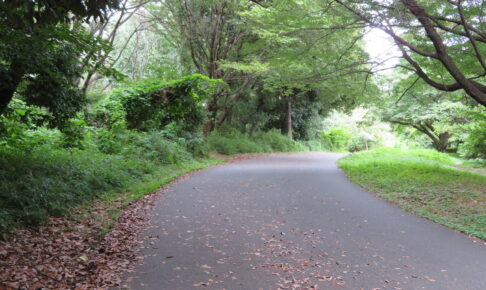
pixel 71 254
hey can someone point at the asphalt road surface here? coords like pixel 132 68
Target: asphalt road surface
pixel 294 221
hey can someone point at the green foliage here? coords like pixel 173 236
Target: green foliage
pixel 47 181
pixel 51 85
pixel 336 138
pixel 277 142
pixel 266 110
pixel 40 178
pixel 442 57
pixel 474 145
pixel 230 146
pixel 153 104
pixel 27 13
pixel 425 183
pixel 74 133
pixel 359 143
pixel 151 146
pixel 448 122
pixel 107 113
pixel 316 145
pixel 16 120
pixel 440 117
pixel 42 66
pixel 365 127
pixel 231 141
pixel 296 46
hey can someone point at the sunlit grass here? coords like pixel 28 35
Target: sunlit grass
pixel 423 182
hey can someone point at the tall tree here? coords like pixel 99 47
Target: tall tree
pixel 440 116
pixel 306 47
pixel 443 42
pixel 109 31
pixel 38 46
pixel 209 32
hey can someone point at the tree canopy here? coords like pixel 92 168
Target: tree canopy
pixel 41 45
pixel 443 42
pixel 282 65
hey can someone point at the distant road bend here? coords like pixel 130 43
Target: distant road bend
pixel 293 221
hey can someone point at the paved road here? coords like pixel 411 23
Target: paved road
pixel 294 221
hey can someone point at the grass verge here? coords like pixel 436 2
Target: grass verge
pixel 425 183
pixel 112 205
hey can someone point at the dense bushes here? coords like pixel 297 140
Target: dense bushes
pixel 153 104
pixel 41 178
pixel 48 181
pixel 232 142
pixel 358 130
pixel 474 143
pixel 337 139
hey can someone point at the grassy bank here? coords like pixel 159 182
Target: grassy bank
pixel 47 181
pixel 425 183
pixel 41 178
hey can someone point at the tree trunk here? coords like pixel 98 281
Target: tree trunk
pixel 259 106
pixel 225 116
pixel 442 143
pixel 6 95
pixel 212 112
pixel 8 87
pixel 209 126
pixel 289 117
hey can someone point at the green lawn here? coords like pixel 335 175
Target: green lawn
pixel 425 183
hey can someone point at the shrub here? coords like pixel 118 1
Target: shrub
pixel 276 141
pixel 153 104
pixel 151 146
pixel 230 141
pixel 224 145
pixel 336 138
pixel 474 145
pixel 316 145
pixel 46 179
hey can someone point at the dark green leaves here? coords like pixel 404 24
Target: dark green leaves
pixel 35 14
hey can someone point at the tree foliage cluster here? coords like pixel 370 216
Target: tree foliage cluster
pixel 442 42
pixel 448 121
pixel 153 104
pixel 42 44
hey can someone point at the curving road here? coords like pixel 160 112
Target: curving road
pixel 294 221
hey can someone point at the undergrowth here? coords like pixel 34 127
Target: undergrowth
pixel 231 142
pixel 48 180
pixel 40 177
